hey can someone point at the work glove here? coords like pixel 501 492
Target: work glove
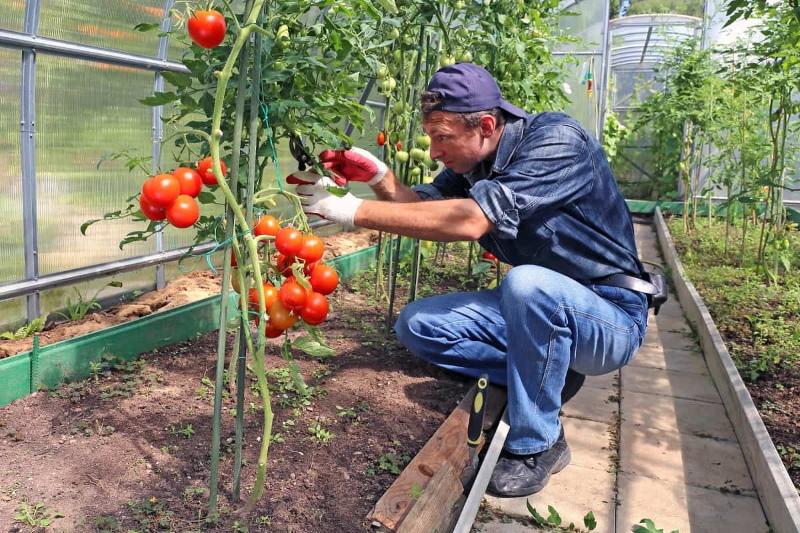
pixel 316 199
pixel 354 164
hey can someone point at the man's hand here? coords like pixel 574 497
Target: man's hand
pixel 317 200
pixel 354 164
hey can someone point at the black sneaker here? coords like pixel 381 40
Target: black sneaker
pixel 522 475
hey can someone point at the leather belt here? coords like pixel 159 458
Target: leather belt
pixel 625 281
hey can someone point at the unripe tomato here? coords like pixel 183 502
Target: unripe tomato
pixel 150 211
pixel 415 172
pixel 183 212
pixel 381 140
pixel 235 280
pixel 423 141
pixel 394 33
pixel 417 154
pixel 316 309
pixel 283 264
pixel 292 295
pixel 446 60
pixel 465 57
pixel 312 250
pixel 280 317
pixel 324 279
pixel 289 241
pixel 189 180
pixel 205 168
pixel 267 225
pixel 382 72
pixel 459 5
pixel 401 156
pixel 161 190
pixel 206 28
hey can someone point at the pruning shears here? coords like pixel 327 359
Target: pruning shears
pixel 306 160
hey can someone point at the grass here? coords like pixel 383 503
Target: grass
pixel 760 321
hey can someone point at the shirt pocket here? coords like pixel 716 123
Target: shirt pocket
pixel 525 249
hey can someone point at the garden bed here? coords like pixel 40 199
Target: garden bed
pixel 760 324
pixel 128 449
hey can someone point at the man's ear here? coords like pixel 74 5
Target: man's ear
pixel 488 125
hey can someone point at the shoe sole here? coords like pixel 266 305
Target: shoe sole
pixel 562 463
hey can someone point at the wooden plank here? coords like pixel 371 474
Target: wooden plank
pixel 447 446
pixel 427 513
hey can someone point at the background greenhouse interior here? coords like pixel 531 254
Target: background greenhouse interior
pixel 74 100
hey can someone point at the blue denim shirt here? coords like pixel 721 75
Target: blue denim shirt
pixel 552 199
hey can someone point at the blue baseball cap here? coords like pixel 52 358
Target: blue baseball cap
pixel 466 88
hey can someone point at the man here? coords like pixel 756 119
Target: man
pixel 537 192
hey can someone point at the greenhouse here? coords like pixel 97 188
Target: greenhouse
pixel 400 266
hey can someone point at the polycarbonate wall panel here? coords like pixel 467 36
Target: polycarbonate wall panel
pixel 584 23
pixel 631 86
pixel 11 245
pixel 85 111
pixel 13 15
pixel 103 23
pixel 12 314
pixel 583 106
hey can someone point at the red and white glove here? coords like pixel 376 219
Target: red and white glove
pixel 354 164
pixel 316 199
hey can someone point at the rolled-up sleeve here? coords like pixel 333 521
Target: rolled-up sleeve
pixel 549 170
pixel 446 184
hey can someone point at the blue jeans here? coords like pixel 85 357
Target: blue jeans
pixel 525 335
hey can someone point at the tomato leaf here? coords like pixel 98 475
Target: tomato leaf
pixel 206 197
pixel 143 27
pixel 313 348
pixel 177 79
pixel 159 98
pixel 337 191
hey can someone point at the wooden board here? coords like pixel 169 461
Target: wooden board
pixel 446 448
pixel 427 513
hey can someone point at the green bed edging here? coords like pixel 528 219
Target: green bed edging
pixel 70 360
pixel 648 207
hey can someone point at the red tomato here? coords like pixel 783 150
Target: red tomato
pixel 150 211
pixel 324 279
pixel 488 256
pixel 316 309
pixel 280 317
pixel 271 331
pixel 270 296
pixel 205 167
pixel 233 259
pixel 161 190
pixel 183 212
pixel 312 250
pixel 189 179
pixel 283 264
pixel 206 28
pixel 308 268
pixel 289 241
pixel 293 296
pixel 398 145
pixel 381 140
pixel 267 225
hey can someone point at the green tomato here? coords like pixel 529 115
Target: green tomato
pixel 393 34
pixel 417 154
pixel 427 159
pixel 446 60
pixel 279 65
pixel 465 57
pixel 382 72
pixel 415 172
pixel 401 156
pixel 459 5
pixel 392 83
pixel 423 141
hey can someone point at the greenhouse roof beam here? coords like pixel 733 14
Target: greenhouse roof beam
pixel 646 43
pixel 12 39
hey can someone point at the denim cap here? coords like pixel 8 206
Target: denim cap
pixel 466 88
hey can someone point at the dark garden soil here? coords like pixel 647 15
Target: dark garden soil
pixel 129 449
pixel 760 325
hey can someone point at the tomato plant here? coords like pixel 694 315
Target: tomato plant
pixel 206 28
pixel 190 181
pixel 183 212
pixel 324 279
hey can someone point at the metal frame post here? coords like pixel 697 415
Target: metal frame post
pixel 603 89
pixel 158 130
pixel 27 141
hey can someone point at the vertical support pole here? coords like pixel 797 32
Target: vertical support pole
pixel 27 142
pixel 158 130
pixel 35 365
pixel 602 92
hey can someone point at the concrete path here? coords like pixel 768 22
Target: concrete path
pixel 649 441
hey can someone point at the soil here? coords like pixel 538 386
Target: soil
pixel 129 449
pixel 180 291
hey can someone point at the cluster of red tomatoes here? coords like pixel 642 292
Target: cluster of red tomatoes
pixel 172 196
pixel 293 299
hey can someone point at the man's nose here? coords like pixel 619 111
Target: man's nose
pixel 436 152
